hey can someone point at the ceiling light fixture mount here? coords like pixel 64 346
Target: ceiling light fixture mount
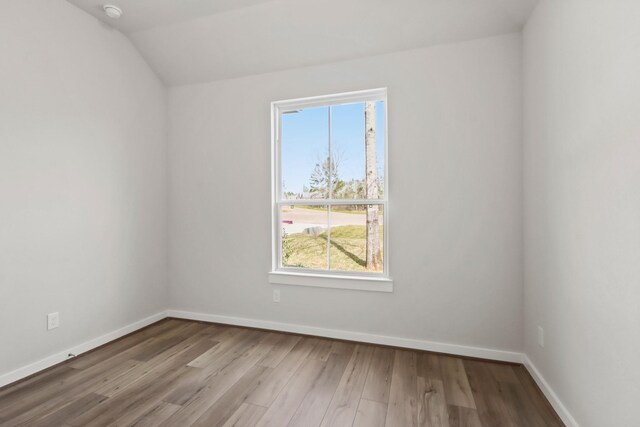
pixel 113 12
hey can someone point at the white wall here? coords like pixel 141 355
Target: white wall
pixel 582 207
pixel 82 181
pixel 455 196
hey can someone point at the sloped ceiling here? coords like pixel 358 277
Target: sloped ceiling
pixel 192 41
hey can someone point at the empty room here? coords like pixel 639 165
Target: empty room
pixel 320 213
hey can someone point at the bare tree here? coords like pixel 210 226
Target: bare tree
pixel 374 255
pixel 326 174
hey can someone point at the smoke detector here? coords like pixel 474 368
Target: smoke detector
pixel 113 12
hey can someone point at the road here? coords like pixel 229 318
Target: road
pixel 305 218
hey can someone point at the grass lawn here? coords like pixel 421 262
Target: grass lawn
pixel 348 249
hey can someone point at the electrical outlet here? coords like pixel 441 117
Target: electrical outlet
pixel 53 320
pixel 276 295
pixel 540 336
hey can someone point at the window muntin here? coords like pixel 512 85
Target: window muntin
pixel 330 186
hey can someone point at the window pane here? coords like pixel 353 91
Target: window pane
pixel 304 152
pixel 358 156
pixel 351 236
pixel 304 236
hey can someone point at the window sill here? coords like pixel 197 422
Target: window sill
pixel 360 283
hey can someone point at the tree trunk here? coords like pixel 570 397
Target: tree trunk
pixel 374 255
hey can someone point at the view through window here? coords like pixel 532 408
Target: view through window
pixel 330 195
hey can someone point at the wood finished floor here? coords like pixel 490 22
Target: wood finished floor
pixel 183 373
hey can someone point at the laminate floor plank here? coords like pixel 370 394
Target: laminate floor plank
pixel 464 417
pixel 139 370
pixel 220 381
pixel 246 416
pixel 156 415
pixel 246 346
pixel 322 350
pixel 68 380
pixel 225 407
pixel 228 348
pixel 429 366
pixel 288 400
pixel 378 382
pixel 314 405
pixel 73 409
pixel 432 406
pixel 25 387
pixel 370 414
pixel 140 395
pixel 25 394
pixel 342 347
pixel 503 373
pixel 48 399
pixel 280 350
pixel 519 410
pixel 344 405
pixel 402 410
pixel 80 382
pixel 275 380
pixel 534 398
pixel 169 340
pixel 238 347
pixel 186 373
pixel 456 384
pixel 125 343
pixel 491 408
pixel 132 402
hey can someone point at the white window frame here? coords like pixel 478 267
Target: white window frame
pixel 368 281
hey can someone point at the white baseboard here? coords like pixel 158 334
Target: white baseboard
pixel 47 362
pixel 553 398
pixel 479 352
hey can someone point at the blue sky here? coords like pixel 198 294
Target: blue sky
pixel 305 137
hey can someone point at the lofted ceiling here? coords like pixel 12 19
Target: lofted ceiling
pixel 192 41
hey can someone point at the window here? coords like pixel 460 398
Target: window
pixel 330 191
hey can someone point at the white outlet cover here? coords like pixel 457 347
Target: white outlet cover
pixel 540 336
pixel 53 320
pixel 276 295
